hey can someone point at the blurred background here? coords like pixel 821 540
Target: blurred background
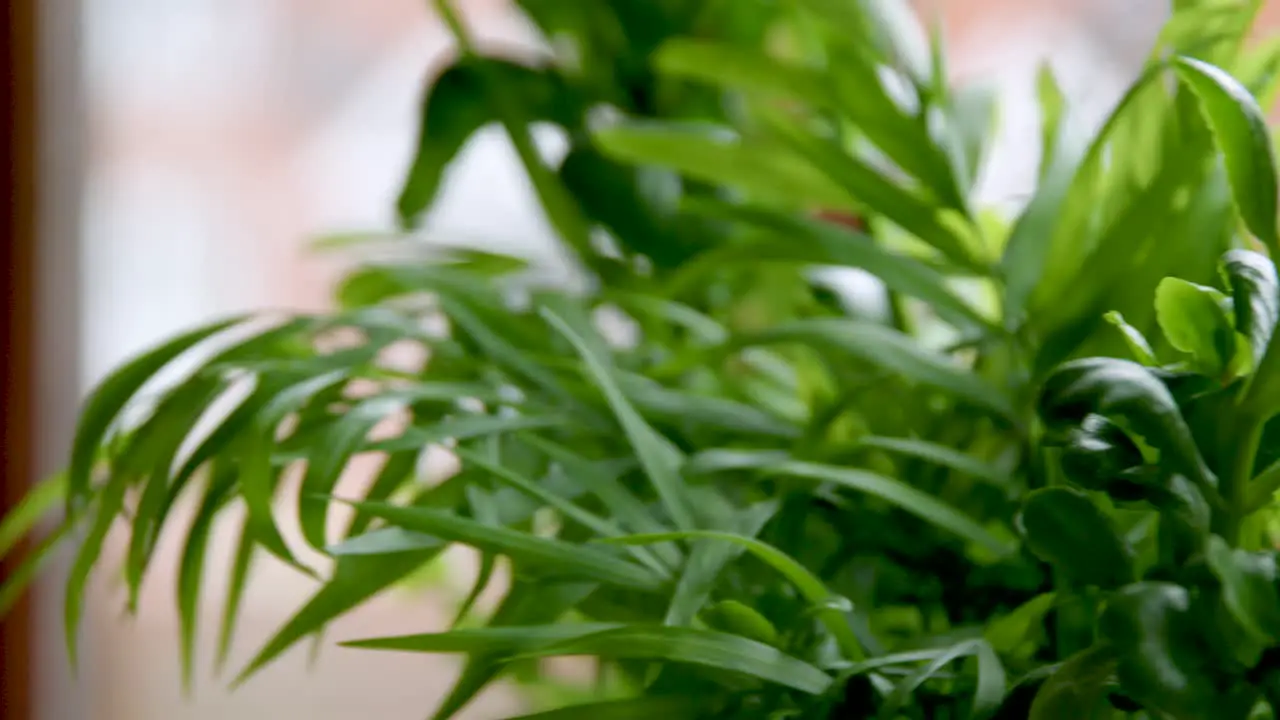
pixel 175 160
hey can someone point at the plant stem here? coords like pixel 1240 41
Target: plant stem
pixel 1237 477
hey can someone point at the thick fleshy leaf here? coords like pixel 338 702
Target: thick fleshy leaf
pixel 1196 320
pixel 892 351
pixel 1240 129
pixel 1078 688
pixel 715 650
pixel 1160 661
pixel 1066 529
pixel 1248 588
pixel 1130 395
pixel 1255 291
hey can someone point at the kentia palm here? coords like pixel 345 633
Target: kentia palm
pixel 769 501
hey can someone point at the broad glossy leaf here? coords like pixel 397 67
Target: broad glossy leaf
pixel 1160 662
pixel 551 555
pixel 1256 295
pixel 1066 529
pixel 1240 129
pixel 661 461
pixel 715 650
pixel 892 351
pixel 1248 588
pixel 1099 455
pixel 1130 395
pixel 1078 689
pixel 1196 320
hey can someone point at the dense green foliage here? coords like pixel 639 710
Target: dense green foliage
pixel 746 493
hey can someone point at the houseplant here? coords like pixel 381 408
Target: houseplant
pixel 750 496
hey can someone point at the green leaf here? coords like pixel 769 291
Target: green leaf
pixel 191 565
pixel 1248 588
pixel 1066 529
pixel 827 605
pixel 241 564
pixel 765 172
pixel 826 243
pixel 1133 339
pixel 1240 129
pixel 733 67
pixel 661 461
pixel 458 104
pixel 706 562
pixel 104 404
pixel 641 708
pixel 1160 661
pixel 1078 689
pixel 1255 292
pixel 942 456
pixel 736 618
pixel 503 639
pixel 37 503
pixel 1131 396
pixel 991 679
pixel 921 504
pixel 1196 321
pixel 716 650
pixel 551 555
pixel 892 351
pixel 20 576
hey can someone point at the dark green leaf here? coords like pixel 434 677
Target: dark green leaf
pixel 1066 529
pixel 1240 128
pixel 1248 588
pixel 1196 321
pixel 1131 396
pixel 1133 339
pixel 641 708
pixel 503 639
pixel 1256 295
pixel 1077 690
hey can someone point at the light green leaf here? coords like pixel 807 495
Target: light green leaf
pixel 892 351
pixel 716 650
pixel 1196 320
pixel 826 605
pixel 550 555
pixel 641 708
pixel 660 459
pixel 33 507
pixel 1134 339
pixel 706 561
pixel 1240 129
